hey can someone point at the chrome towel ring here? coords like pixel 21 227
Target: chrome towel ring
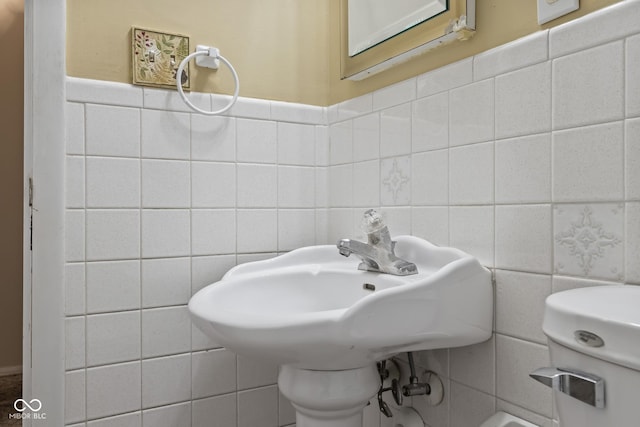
pixel 213 55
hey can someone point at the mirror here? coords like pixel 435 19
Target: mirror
pixel 373 21
pixel 377 34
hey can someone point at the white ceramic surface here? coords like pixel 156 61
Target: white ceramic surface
pixel 612 313
pixel 502 419
pixel 309 309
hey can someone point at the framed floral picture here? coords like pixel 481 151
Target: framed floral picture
pixel 156 57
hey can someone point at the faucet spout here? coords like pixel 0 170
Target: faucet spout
pixel 378 254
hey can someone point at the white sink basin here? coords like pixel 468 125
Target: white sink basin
pixel 313 309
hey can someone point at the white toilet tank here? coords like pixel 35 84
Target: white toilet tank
pixel 594 343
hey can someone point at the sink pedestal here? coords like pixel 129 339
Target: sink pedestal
pixel 329 398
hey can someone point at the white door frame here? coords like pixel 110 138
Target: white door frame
pixel 44 157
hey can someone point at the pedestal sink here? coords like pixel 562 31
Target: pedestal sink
pixel 326 323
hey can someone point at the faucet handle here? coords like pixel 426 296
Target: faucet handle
pixel 372 221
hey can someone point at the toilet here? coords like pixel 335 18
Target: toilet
pixel 502 419
pixel 594 344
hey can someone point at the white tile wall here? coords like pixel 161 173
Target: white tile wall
pixel 171 100
pixel 295 144
pixel 213 373
pixel 75 127
pixel 213 231
pixel 396 94
pixel 257 230
pixel 254 373
pixel 471 229
pixel 471 113
pixel 74 396
pixel 505 155
pixel 74 235
pixel 430 178
pixel 257 186
pixel 523 169
pixel 213 185
pixel 515 358
pixel 296 228
pixel 258 407
pixel 165 135
pixel 74 328
pixel 257 141
pixel 340 185
pixel 113 389
pixel 365 194
pixel 222 409
pixel 351 107
pixel 443 79
pixel 213 138
pixel 160 372
pixel 601 70
pixel 471 174
pixel 127 420
pixel 478 405
pixel 430 123
pixel 520 304
pixel 165 233
pixel 616 22
pixel 112 286
pixel 165 184
pixel 588 240
pixel 395 131
pixel 632 159
pixel 112 183
pixel 165 281
pixel 523 238
pixel 431 223
pixel 113 337
pixel 105 139
pixel 514 154
pixel 296 187
pixel 632 238
pixel 159 204
pixel 341 143
pixel 366 137
pixel 632 85
pixel 168 416
pixel 165 331
pixel 395 181
pixel 523 101
pixel 74 287
pixel 74 182
pixel 588 163
pixel 475 366
pixel 520 53
pixel 112 234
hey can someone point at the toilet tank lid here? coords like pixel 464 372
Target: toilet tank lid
pixel 601 321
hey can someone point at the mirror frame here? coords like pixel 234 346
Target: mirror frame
pixel 457 23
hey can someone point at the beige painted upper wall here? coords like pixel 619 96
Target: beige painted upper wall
pixel 11 153
pixel 497 22
pixel 273 44
pixel 285 50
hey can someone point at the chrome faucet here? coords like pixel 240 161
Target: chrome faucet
pixel 378 253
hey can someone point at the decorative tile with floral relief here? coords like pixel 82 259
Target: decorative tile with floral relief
pixel 156 57
pixel 395 181
pixel 588 240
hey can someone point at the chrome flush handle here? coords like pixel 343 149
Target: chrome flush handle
pixel 586 388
